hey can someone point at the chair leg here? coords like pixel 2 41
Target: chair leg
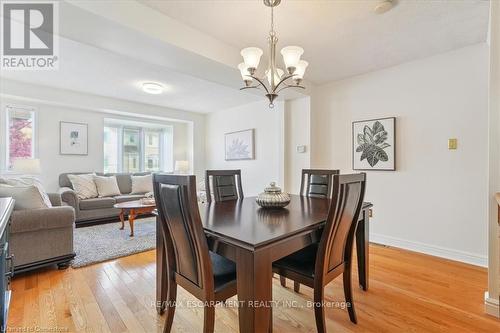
pixel 170 306
pixel 283 281
pixel 209 319
pixel 296 286
pixel 271 320
pixel 319 310
pixel 348 295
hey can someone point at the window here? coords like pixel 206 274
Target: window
pixel 129 148
pixel 20 134
pixel 152 151
pixel 111 142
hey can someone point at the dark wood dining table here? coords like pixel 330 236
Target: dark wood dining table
pixel 253 238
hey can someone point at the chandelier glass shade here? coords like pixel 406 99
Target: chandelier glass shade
pixel 276 78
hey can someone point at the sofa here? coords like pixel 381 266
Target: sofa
pixel 97 210
pixel 42 237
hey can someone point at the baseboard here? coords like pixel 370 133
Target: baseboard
pixel 491 305
pixel 433 250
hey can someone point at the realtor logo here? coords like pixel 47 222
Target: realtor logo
pixel 29 35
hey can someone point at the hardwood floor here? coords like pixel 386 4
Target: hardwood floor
pixel 409 292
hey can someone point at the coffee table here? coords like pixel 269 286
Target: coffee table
pixel 134 209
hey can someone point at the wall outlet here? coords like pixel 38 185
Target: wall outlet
pixel 452 144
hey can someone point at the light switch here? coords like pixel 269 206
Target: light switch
pixel 301 149
pixel 452 144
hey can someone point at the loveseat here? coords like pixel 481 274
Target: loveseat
pixel 100 209
pixel 43 236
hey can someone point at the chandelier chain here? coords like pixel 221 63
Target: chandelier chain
pixel 272 32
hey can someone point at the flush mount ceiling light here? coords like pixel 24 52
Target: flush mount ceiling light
pixel 276 77
pixel 152 88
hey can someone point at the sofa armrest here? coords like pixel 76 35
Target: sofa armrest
pixel 55 199
pixel 42 218
pixel 69 196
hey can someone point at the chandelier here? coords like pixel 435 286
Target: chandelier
pixel 276 78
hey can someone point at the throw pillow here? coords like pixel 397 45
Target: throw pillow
pixel 106 186
pixel 27 181
pixel 26 197
pixel 84 185
pixel 142 184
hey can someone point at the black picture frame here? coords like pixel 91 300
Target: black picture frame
pixel 360 164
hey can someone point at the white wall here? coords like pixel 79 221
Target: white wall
pixel 268 124
pixel 436 200
pixel 53 106
pixel 297 133
pixel 491 297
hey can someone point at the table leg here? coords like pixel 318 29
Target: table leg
pixel 254 277
pixel 161 270
pixel 122 219
pixel 362 249
pixel 131 217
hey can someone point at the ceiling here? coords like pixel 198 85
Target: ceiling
pixel 109 48
pixel 88 69
pixel 341 38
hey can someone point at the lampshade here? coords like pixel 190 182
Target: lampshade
pixel 182 166
pixel 300 70
pixel 291 55
pixel 27 166
pixel 251 56
pixel 244 72
pixel 277 76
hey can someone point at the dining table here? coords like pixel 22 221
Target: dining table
pixel 255 237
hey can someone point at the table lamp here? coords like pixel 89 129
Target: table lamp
pixel 182 167
pixel 26 166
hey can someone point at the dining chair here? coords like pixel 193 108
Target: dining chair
pixel 226 185
pixel 316 183
pixel 320 263
pixel 208 276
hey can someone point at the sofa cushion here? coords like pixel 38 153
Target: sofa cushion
pixel 28 181
pixel 125 180
pixel 128 197
pixel 142 184
pixel 106 186
pixel 26 197
pixel 84 185
pixel 97 203
pixel 64 179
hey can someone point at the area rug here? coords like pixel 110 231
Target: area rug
pixel 106 241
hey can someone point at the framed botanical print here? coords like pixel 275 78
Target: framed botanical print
pixel 73 138
pixel 239 145
pixel 374 144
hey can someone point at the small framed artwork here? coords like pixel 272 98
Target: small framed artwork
pixel 73 138
pixel 374 144
pixel 239 145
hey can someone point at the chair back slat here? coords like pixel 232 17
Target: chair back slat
pixel 225 184
pixel 181 225
pixel 317 183
pixel 337 240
